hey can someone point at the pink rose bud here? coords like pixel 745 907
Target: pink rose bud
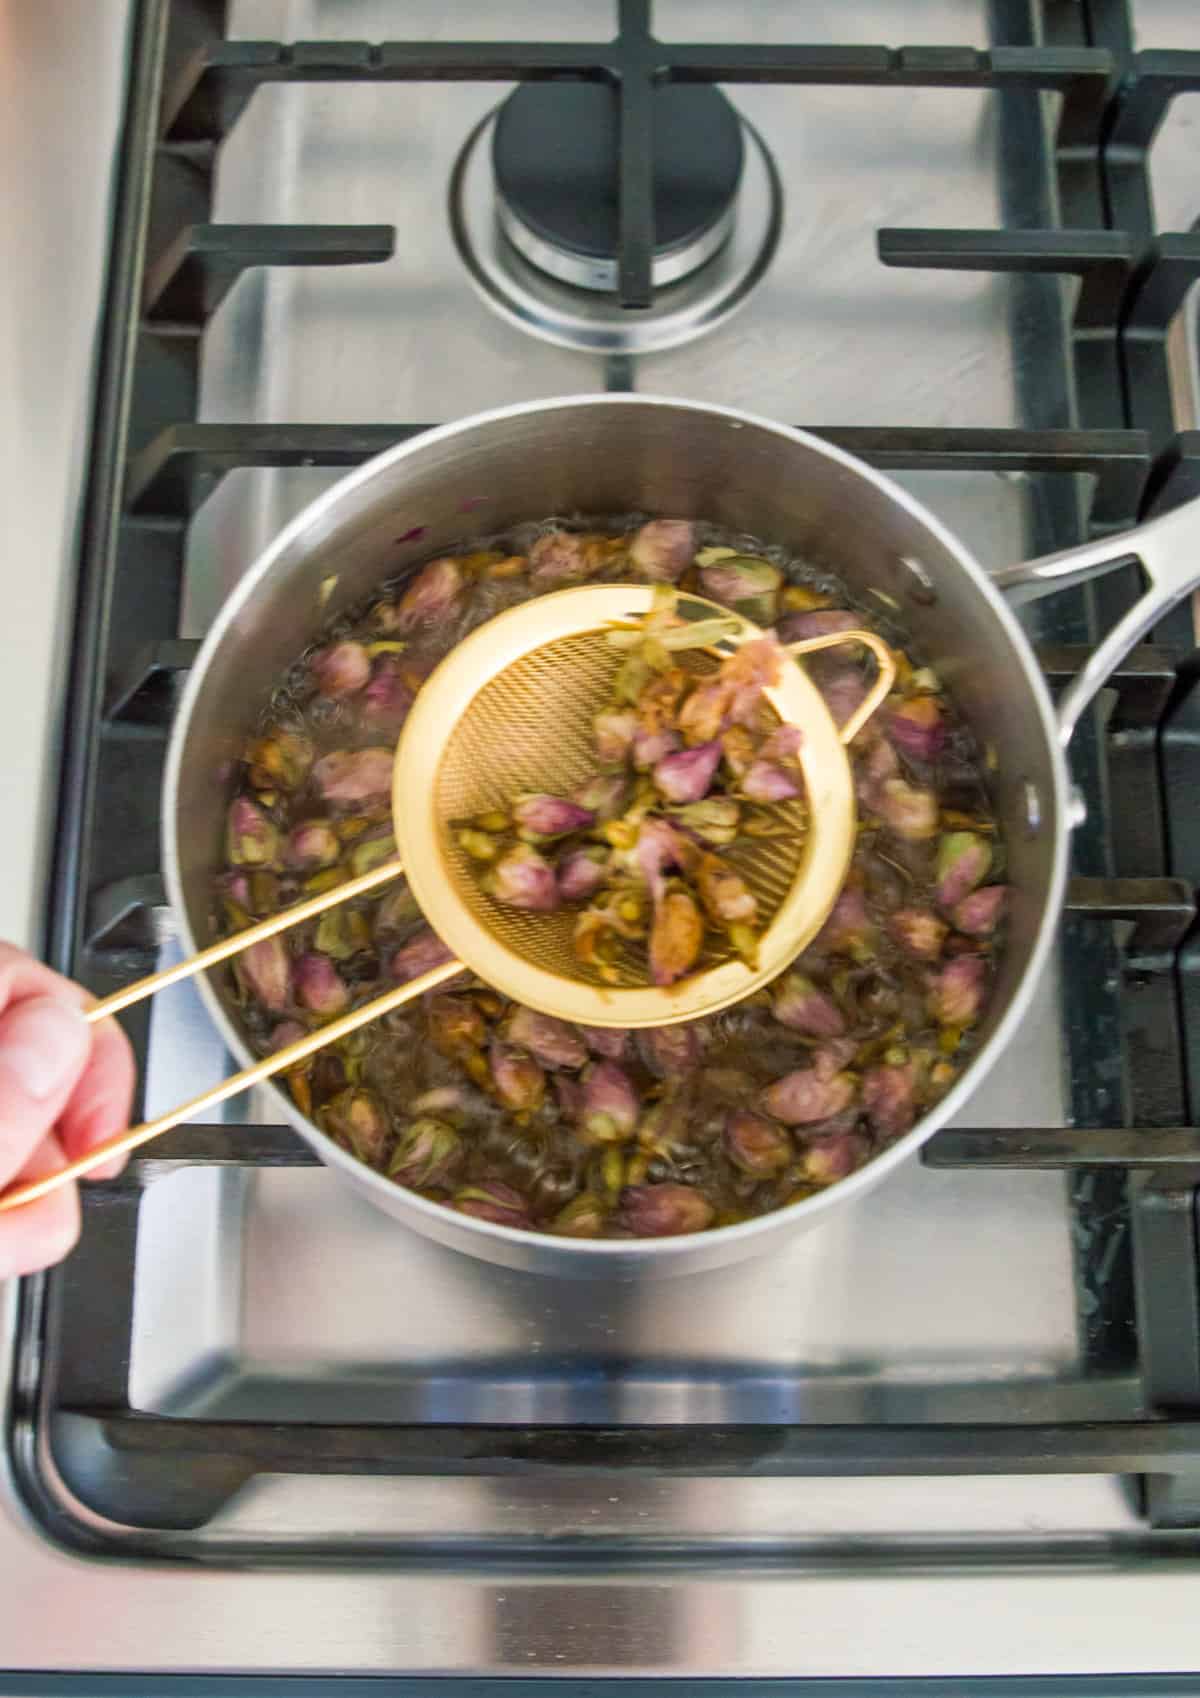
pixel 569 1094
pixel 829 1159
pixel 796 1002
pixel 287 1032
pixel 910 812
pixel 550 1041
pixel 420 955
pixel 888 1096
pixel 250 838
pixel 664 1211
pixel 749 586
pixel 843 693
pixel 979 913
pixel 726 897
pixel 319 985
pixel 672 1050
pixel 542 818
pixel 610 1104
pixel 581 873
pixel 604 796
pixel 917 728
pixel 676 937
pixel 341 669
pixel 313 843
pixel 608 1041
pixel 756 1146
pixel 652 746
pixel 356 1119
pixel 919 932
pixel 962 863
pixel 517 1080
pixel 956 993
pixel 819 622
pixel 264 972
pixel 686 776
pixel 848 930
pixel 767 781
pixel 431 597
pixel 522 879
pixel 804 1097
pixel 614 729
pixel 567 557
pixel 388 696
pixel 493 1201
pixel 427 1152
pixel 662 550
pixel 355 777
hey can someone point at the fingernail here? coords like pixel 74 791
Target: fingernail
pixel 42 1044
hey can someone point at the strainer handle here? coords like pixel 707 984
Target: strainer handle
pixel 280 1062
pixel 234 945
pixel 884 679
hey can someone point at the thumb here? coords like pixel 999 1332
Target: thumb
pixel 44 1046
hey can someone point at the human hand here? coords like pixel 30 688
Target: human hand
pixel 65 1086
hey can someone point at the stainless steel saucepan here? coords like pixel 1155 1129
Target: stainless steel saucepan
pixel 607 454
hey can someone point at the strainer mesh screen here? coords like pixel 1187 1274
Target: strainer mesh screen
pixel 530 729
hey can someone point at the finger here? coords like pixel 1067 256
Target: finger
pixel 22 976
pixel 44 1046
pixel 100 1104
pixel 41 1233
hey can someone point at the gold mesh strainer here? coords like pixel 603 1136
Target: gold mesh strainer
pixel 510 709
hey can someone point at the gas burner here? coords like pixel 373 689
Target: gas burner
pixel 554 154
pixel 533 211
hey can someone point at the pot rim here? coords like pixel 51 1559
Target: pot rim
pixel 733 1239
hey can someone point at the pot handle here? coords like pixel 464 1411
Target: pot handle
pixel 1168 551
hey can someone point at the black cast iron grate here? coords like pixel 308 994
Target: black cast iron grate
pixel 1131 939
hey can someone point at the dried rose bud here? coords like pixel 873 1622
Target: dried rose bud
pixel 726 897
pixel 420 955
pixel 550 1041
pixel 540 818
pixel 664 1211
pixel 749 586
pixel 319 986
pixel 609 1041
pixel 522 879
pixel 388 696
pixel 264 972
pixel 279 761
pixel 604 796
pixel 371 851
pixel 398 908
pixel 427 1152
pixel 843 693
pixel 910 812
pixel 832 1056
pixel 355 1118
pixel 919 932
pixel 672 1050
pixel 659 698
pixel 963 861
pixel 662 549
pixel 917 728
pixel 431 597
pixel 705 714
pixel 250 838
pixel 287 1032
pixel 767 781
pixel 444 1102
pixel 756 1146
pixel 455 1025
pixel 849 929
pixel 569 1094
pixel 343 932
pixel 956 993
pixel 829 1159
pixel 610 1104
pixel 979 913
pixel 311 844
pixel 821 622
pixel 873 768
pixel 341 669
pixel 581 873
pixel 796 1002
pixel 493 1201
pixel 583 1217
pixel 676 937
pixel 739 750
pixel 517 1080
pixel 355 777
pixel 804 1097
pixel 715 820
pixel 650 747
pixel 888 1096
pixel 568 557
pixel 686 776
pixel 614 731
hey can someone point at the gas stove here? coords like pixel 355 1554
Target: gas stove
pixel 967 259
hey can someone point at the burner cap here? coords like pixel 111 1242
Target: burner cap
pixel 554 153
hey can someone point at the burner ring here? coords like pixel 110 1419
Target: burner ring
pixel 555 155
pixel 584 319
